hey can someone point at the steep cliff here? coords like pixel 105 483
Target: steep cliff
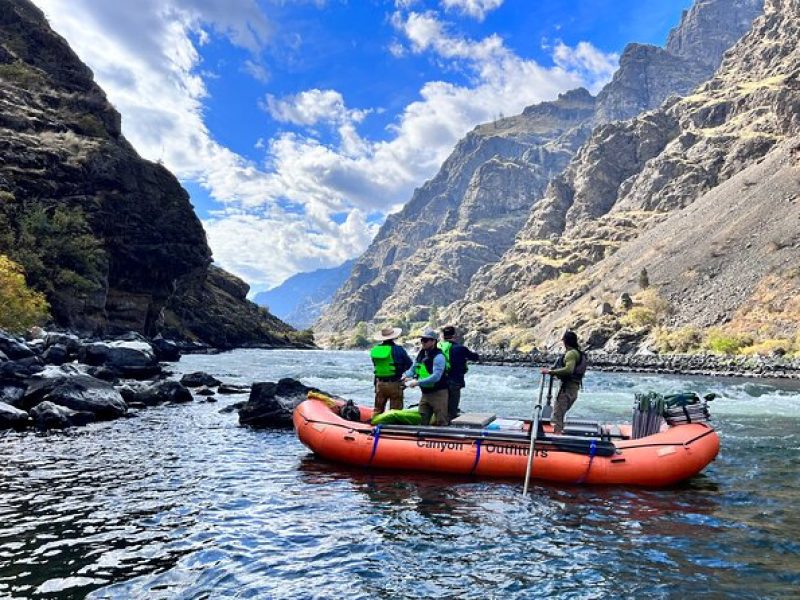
pixel 702 193
pixel 110 238
pixel 465 218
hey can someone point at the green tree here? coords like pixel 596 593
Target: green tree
pixel 644 279
pixel 359 338
pixel 433 317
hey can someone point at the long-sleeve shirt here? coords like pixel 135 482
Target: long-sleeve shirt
pixel 439 365
pixel 459 355
pixel 571 359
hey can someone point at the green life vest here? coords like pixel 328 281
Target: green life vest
pixel 445 347
pixel 424 369
pixel 383 361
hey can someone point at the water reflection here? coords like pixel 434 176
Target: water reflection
pixel 181 502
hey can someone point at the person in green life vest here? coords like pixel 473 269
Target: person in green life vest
pixel 428 373
pixel 456 356
pixel 570 370
pixel 389 361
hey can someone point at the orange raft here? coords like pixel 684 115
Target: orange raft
pixel 606 455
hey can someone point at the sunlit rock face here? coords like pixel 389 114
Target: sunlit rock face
pixel 457 225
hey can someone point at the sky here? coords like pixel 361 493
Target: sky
pixel 296 126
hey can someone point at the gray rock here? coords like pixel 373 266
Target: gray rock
pixel 230 388
pixel 12 417
pixel 198 379
pixel 80 393
pixel 67 340
pixel 13 348
pixel 130 358
pixel 47 415
pixel 56 355
pixel 604 308
pixel 159 392
pixel 272 404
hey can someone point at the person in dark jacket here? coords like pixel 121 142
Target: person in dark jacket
pixel 456 357
pixel 389 362
pixel 429 374
pixel 570 374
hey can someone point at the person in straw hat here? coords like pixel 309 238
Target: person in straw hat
pixel 389 362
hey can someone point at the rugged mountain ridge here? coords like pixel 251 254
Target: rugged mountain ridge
pixel 110 238
pixel 702 193
pixel 300 300
pixel 466 217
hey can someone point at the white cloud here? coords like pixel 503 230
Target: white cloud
pixel 474 8
pixel 593 65
pixel 281 216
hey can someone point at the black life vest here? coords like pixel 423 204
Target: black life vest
pixel 424 369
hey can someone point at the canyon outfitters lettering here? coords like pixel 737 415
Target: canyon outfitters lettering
pixel 441 446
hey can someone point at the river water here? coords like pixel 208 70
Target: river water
pixel 181 502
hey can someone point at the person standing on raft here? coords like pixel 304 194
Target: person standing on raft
pixel 389 361
pixel 428 372
pixel 571 377
pixel 456 356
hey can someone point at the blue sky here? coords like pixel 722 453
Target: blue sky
pixel 297 126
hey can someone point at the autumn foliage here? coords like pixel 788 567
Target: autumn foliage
pixel 20 306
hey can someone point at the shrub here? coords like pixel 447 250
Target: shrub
pixel 720 342
pixel 18 73
pixel 683 340
pixel 639 316
pixel 767 347
pixel 20 307
pixel 644 279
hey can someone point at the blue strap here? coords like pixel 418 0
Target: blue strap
pixel 477 456
pixel 592 452
pixel 377 434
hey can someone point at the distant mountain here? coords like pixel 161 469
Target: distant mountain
pixel 300 300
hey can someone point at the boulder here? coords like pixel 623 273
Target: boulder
pixel 3 357
pixel 79 392
pixel 198 379
pixel 12 393
pixel 156 393
pixel 13 348
pixel 204 391
pixel 232 407
pixel 604 308
pixel 68 340
pixel 47 415
pixel 134 359
pixel 12 417
pixel 271 404
pixel 56 355
pixel 625 341
pixel 166 350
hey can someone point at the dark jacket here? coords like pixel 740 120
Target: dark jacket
pixel 459 355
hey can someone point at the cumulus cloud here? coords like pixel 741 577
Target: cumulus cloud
pixel 593 65
pixel 474 8
pixel 284 215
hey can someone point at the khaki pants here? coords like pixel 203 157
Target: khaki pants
pixel 434 403
pixel 391 391
pixel 567 395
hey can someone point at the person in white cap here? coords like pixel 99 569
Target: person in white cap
pixel 428 372
pixel 389 361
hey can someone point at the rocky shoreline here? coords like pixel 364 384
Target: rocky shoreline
pixel 708 365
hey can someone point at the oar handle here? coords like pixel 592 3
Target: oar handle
pixel 537 411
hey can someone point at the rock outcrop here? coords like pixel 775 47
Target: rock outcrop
pixel 110 238
pixel 462 221
pixel 702 192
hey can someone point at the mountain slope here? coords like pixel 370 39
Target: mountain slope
pixel 300 300
pixel 466 217
pixel 702 193
pixel 110 238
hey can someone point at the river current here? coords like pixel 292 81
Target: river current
pixel 181 502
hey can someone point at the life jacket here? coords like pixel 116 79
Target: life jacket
pixel 383 361
pixel 580 367
pixel 424 369
pixel 445 347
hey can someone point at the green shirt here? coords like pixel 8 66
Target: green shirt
pixel 571 359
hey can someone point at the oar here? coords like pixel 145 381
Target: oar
pixel 537 410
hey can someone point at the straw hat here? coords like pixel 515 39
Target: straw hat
pixel 388 333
